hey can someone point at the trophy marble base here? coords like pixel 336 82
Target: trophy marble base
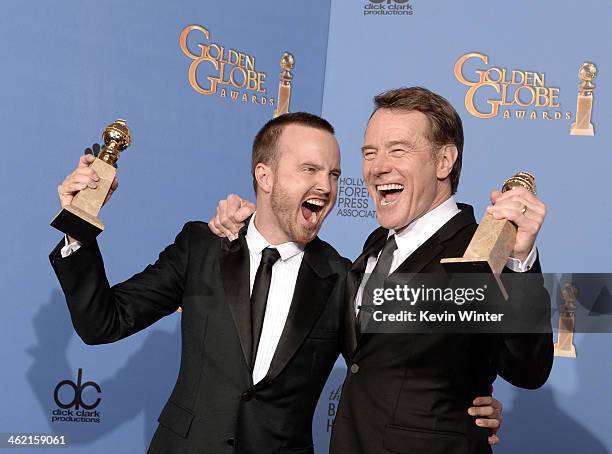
pixel 78 224
pixel 564 346
pixel 463 265
pixel 576 131
pixel 488 251
pixel 583 126
pixel 571 353
pixel 79 220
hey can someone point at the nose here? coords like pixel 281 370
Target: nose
pixel 380 165
pixel 324 183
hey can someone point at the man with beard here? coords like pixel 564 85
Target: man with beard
pixel 260 315
pixel 410 393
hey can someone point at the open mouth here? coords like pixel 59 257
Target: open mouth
pixel 312 209
pixel 389 193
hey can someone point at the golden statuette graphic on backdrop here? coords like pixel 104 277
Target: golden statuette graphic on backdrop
pixel 80 219
pixel 284 85
pixel 584 107
pixel 493 241
pixel 567 319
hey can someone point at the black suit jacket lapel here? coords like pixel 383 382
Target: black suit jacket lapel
pixel 434 246
pixel 420 258
pixel 353 280
pixel 428 251
pixel 235 263
pixel 315 282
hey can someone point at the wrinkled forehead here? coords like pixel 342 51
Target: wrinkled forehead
pixel 392 125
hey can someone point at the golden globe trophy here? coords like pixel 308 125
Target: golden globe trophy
pixel 584 107
pixel 284 85
pixel 493 242
pixel 567 319
pixel 79 220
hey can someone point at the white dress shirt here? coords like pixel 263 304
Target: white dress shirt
pixel 418 232
pixel 282 285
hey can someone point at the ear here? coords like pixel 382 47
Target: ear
pixel 264 177
pixel 447 156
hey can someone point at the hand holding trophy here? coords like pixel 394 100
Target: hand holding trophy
pixel 94 180
pixel 494 240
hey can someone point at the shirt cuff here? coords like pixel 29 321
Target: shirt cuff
pixel 69 248
pixel 518 266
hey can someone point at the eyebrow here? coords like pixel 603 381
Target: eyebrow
pixel 311 164
pixel 319 167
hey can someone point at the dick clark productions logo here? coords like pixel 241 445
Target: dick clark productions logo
pixel 388 8
pixel 71 403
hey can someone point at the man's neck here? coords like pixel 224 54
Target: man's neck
pixel 442 198
pixel 266 225
pixel 439 200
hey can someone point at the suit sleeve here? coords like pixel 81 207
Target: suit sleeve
pixel 101 313
pixel 526 359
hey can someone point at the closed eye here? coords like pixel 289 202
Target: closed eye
pixel 368 154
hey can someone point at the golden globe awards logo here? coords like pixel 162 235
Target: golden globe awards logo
pixel 516 93
pixel 227 73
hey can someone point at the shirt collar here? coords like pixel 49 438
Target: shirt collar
pixel 423 228
pixel 257 243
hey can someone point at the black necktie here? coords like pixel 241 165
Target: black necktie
pixel 376 280
pixel 259 296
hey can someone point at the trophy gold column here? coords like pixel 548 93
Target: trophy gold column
pixel 567 320
pixel 284 85
pixel 493 241
pixel 79 220
pixel 584 107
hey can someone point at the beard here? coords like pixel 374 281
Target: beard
pixel 286 213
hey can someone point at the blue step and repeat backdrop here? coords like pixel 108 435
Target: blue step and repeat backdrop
pixel 70 67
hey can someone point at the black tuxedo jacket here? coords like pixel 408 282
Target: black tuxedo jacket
pixel 214 407
pixel 409 393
